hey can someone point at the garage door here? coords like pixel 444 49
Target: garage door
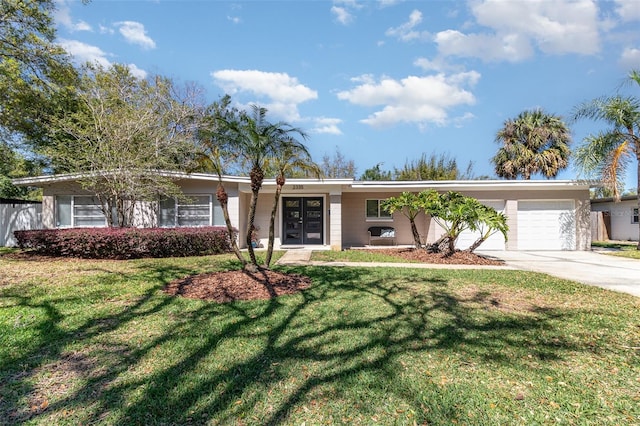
pixel 494 242
pixel 546 225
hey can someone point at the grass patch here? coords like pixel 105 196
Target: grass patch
pixel 355 256
pixel 620 249
pixel 7 250
pixel 86 342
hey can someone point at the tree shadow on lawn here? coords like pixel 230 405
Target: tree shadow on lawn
pixel 261 361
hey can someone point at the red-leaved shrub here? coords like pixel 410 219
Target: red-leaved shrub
pixel 125 243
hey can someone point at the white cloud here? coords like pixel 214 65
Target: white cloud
pixel 83 52
pixel 234 19
pixel 388 3
pixel 282 91
pixel 406 32
pixel 630 58
pixel 62 16
pixel 628 10
pixel 438 64
pixel 342 15
pixel 515 27
pixel 419 100
pixel 137 72
pixel 105 30
pixel 343 10
pixel 509 47
pixel 326 126
pixel 135 33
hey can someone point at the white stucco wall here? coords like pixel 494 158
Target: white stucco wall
pixel 620 213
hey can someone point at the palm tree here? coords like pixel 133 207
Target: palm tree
pixel 609 152
pixel 214 153
pixel 291 158
pixel 257 140
pixel 534 142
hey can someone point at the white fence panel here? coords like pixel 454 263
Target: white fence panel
pixel 17 216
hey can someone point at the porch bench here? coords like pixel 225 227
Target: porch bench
pixel 382 233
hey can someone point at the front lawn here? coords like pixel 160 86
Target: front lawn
pixel 621 249
pixel 85 342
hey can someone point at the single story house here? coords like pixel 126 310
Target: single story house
pixel 337 213
pixel 617 220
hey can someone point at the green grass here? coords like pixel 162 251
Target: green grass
pixel 620 249
pixel 84 342
pixel 355 256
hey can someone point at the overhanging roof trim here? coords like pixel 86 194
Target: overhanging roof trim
pixel 347 184
pixel 474 184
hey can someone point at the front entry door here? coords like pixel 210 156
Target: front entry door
pixel 302 221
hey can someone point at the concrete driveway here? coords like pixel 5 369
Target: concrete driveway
pixel 588 267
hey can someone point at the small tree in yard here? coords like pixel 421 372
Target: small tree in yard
pixel 215 154
pixel 454 213
pixel 488 223
pixel 410 205
pixel 123 131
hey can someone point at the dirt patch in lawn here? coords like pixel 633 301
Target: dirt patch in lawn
pixel 229 286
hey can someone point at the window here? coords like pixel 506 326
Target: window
pixel 198 210
pixel 374 211
pixel 634 216
pixel 79 211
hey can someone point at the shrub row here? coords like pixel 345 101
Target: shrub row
pixel 125 243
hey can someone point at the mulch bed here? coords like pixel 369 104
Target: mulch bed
pixel 223 287
pixel 229 286
pixel 422 256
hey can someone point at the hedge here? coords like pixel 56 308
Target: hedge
pixel 125 243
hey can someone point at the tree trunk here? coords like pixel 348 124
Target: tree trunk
pixel 272 222
pixel 638 187
pixel 476 244
pixel 223 200
pixel 416 235
pixel 250 224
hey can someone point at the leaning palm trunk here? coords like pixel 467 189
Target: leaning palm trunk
pixel 250 227
pixel 257 176
pixel 272 221
pixel 223 199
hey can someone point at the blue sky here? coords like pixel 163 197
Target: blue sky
pixel 384 81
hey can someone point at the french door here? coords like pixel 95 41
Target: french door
pixel 302 220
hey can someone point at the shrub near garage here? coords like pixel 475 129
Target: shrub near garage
pixel 125 243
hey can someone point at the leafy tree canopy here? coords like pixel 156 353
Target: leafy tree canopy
pixel 434 167
pixel 122 128
pixel 533 142
pixel 337 166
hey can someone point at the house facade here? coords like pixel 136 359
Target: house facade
pixel 619 219
pixel 336 213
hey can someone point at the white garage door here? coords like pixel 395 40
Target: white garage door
pixel 546 225
pixel 494 242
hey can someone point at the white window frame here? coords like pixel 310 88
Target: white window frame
pixel 379 218
pixel 74 217
pixel 635 216
pixel 177 213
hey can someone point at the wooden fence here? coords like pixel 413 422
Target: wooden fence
pixel 600 226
